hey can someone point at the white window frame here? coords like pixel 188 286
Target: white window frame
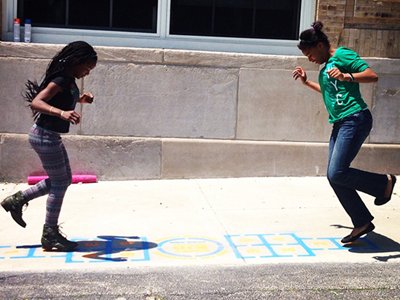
pixel 162 38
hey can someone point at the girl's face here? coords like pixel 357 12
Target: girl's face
pixel 318 54
pixel 82 70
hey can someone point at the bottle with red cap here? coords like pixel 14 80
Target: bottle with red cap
pixel 17 30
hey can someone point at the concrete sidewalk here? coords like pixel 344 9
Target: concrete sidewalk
pixel 128 224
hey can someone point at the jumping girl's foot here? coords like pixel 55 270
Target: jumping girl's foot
pixel 358 232
pixel 388 192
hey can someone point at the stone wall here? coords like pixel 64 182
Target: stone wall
pixel 187 114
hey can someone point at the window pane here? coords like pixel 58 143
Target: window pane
pixel 42 12
pixel 277 19
pixel 89 13
pixel 130 15
pixel 233 18
pixel 139 15
pixel 269 19
pixel 191 17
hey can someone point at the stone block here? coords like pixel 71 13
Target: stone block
pixel 14 73
pixel 384 65
pixel 17 158
pixel 16 116
pixel 210 158
pixel 160 100
pixel 29 50
pixel 379 158
pixel 274 107
pixel 126 55
pixel 386 110
pixel 235 60
pixel 110 158
pixel 115 158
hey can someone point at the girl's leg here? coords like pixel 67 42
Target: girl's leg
pixel 348 137
pixel 60 176
pixel 346 140
pixel 39 189
pixel 54 158
pixel 355 208
pixel 55 161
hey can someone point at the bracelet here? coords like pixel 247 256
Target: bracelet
pixel 351 77
pixel 51 110
pixel 61 113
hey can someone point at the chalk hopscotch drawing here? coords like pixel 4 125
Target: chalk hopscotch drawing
pixel 249 247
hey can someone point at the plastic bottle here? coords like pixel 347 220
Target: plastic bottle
pixel 28 30
pixel 17 30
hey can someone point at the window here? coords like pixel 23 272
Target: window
pixel 253 26
pixel 44 12
pixel 273 19
pixel 129 15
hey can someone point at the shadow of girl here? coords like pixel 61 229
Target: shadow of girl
pixel 103 250
pixel 376 243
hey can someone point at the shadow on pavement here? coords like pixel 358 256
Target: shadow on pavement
pixel 108 245
pixel 373 243
pixel 112 245
pixel 376 243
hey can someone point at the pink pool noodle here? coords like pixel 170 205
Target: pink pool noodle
pixel 75 179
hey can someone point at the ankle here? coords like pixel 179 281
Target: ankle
pixel 357 230
pixel 388 185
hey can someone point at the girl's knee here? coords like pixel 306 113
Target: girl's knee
pixel 62 184
pixel 335 176
pixel 69 181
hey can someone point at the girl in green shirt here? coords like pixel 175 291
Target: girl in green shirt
pixel 338 82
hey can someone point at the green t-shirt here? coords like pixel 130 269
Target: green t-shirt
pixel 342 98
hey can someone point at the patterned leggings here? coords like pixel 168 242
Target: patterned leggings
pixel 48 145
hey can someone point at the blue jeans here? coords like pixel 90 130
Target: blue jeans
pixel 345 142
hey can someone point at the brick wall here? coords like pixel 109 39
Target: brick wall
pixel 371 27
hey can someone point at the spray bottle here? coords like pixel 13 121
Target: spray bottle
pixel 17 30
pixel 28 30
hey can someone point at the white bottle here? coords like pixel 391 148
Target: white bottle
pixel 17 30
pixel 28 30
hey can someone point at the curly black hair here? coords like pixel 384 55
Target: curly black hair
pixel 311 37
pixel 73 54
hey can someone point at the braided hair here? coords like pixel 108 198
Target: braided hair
pixel 73 54
pixel 311 37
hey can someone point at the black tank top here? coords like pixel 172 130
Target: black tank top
pixel 65 100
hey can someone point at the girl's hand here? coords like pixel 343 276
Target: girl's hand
pixel 86 98
pixel 336 74
pixel 299 72
pixel 71 116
